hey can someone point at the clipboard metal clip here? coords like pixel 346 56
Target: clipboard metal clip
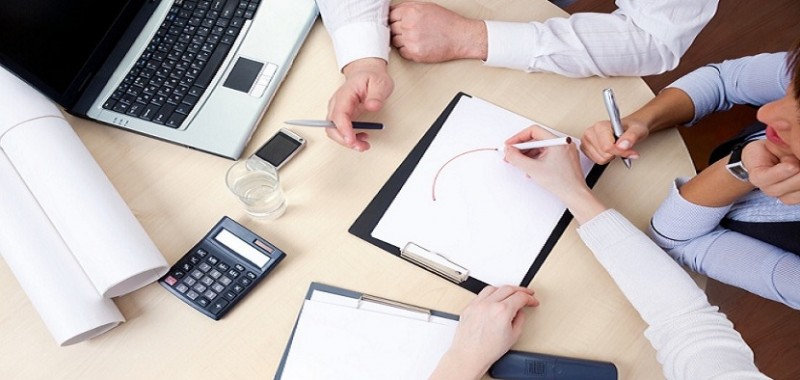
pixel 434 262
pixel 425 314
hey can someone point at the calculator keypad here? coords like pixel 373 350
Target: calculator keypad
pixel 209 281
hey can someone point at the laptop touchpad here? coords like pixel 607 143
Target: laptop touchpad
pixel 250 76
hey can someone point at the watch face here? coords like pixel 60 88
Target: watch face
pixel 737 170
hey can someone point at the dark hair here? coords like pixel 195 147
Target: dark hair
pixel 793 62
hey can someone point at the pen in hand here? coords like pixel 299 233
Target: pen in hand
pixel 613 115
pixel 536 144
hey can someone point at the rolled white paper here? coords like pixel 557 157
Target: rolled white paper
pixel 69 305
pixel 75 207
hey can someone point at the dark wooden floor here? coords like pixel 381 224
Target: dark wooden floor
pixel 740 28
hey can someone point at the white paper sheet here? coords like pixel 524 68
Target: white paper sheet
pixel 343 342
pixel 488 216
pixel 65 232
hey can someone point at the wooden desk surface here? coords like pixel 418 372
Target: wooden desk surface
pixel 179 194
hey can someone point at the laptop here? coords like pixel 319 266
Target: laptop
pixel 198 73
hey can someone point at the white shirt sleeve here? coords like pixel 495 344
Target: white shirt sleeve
pixel 358 28
pixel 693 340
pixel 642 37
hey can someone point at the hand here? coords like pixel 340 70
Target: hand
pixel 488 327
pixel 776 174
pixel 554 168
pixel 426 32
pixel 557 169
pixel 367 86
pixel 598 141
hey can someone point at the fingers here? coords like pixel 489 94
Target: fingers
pixel 494 294
pixel 601 146
pixel 534 132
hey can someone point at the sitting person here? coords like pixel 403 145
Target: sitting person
pixel 693 340
pixel 739 227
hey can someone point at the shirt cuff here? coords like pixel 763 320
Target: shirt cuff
pixel 502 53
pixel 360 40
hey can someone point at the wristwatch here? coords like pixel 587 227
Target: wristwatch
pixel 735 165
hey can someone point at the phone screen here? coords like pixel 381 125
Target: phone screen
pixel 279 148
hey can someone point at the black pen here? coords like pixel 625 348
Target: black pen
pixel 330 124
pixel 613 115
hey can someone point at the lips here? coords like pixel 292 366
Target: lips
pixel 773 137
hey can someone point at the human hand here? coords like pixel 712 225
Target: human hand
pixel 776 174
pixel 487 329
pixel 600 145
pixel 556 169
pixel 427 32
pixel 367 86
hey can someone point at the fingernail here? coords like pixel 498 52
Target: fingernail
pixel 624 144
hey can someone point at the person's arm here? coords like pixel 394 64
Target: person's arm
pixel 639 38
pixel 752 80
pixel 360 34
pixel 692 339
pixel 669 108
pixel 487 329
pixel 687 226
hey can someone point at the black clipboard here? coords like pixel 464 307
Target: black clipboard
pixel 362 297
pixel 372 214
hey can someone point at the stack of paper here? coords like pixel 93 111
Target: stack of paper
pixel 65 232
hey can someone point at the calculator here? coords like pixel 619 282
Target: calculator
pixel 222 268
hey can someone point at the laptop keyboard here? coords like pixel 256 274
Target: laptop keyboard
pixel 177 66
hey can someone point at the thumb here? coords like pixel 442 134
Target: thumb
pixel 377 93
pixel 628 139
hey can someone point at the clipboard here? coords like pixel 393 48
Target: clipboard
pixel 432 261
pixel 434 328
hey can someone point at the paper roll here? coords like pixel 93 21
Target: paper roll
pixel 95 223
pixel 67 235
pixel 69 305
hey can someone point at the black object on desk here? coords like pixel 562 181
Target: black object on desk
pixel 222 268
pixel 366 222
pixel 520 365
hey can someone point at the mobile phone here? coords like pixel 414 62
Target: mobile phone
pixel 280 147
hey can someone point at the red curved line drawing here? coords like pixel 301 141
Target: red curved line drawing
pixel 433 185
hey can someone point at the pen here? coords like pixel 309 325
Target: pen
pixel 543 143
pixel 613 115
pixel 329 124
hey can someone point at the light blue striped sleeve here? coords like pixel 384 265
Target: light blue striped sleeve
pixel 754 80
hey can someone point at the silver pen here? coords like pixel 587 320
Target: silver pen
pixel 613 115
pixel 330 124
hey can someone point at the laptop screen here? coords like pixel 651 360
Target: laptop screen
pixel 57 44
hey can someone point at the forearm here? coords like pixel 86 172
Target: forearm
pixel 714 187
pixel 754 80
pixel 637 39
pixel 669 108
pixel 686 331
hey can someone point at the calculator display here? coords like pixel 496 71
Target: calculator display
pixel 241 247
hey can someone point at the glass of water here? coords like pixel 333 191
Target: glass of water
pixel 256 183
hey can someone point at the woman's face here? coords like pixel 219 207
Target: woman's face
pixel 782 118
